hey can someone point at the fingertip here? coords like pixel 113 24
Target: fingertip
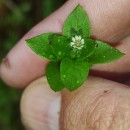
pixel 40 106
pixel 4 67
pixel 24 66
pixel 18 68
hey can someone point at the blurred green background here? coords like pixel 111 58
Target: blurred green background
pixel 16 18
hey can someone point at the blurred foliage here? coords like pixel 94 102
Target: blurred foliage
pixel 16 18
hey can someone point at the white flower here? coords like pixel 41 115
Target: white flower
pixel 77 42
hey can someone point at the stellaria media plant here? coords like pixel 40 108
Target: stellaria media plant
pixel 72 53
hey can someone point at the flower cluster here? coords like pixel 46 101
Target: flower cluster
pixel 77 42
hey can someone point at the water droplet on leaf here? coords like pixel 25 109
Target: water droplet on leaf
pixel 64 76
pixel 96 45
pixel 51 56
pixel 59 53
pixel 43 53
pixel 48 78
pixel 77 81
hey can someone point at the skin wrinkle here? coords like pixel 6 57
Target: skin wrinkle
pixel 112 121
pixel 92 112
pixel 71 106
pixel 117 111
pixel 98 100
pixel 110 116
pixel 120 116
pixel 99 118
pixel 100 110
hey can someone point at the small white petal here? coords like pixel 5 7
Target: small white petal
pixel 77 42
pixel 82 41
pixel 82 46
pixel 76 37
pixel 73 39
pixel 72 43
pixel 79 37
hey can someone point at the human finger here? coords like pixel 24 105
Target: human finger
pixel 97 104
pixel 40 106
pixel 110 21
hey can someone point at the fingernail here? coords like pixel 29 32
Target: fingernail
pixel 40 106
pixel 5 61
pixel 4 68
pixel 8 74
pixel 21 66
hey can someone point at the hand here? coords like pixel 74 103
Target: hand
pixel 100 104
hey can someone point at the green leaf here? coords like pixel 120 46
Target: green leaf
pixel 61 46
pixel 41 45
pixel 73 73
pixel 77 23
pixel 104 53
pixel 88 49
pixel 53 76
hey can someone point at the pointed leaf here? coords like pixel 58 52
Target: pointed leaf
pixel 41 45
pixel 61 46
pixel 104 53
pixel 88 49
pixel 53 76
pixel 73 73
pixel 77 23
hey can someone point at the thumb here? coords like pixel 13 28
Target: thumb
pixel 40 106
pixel 99 105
